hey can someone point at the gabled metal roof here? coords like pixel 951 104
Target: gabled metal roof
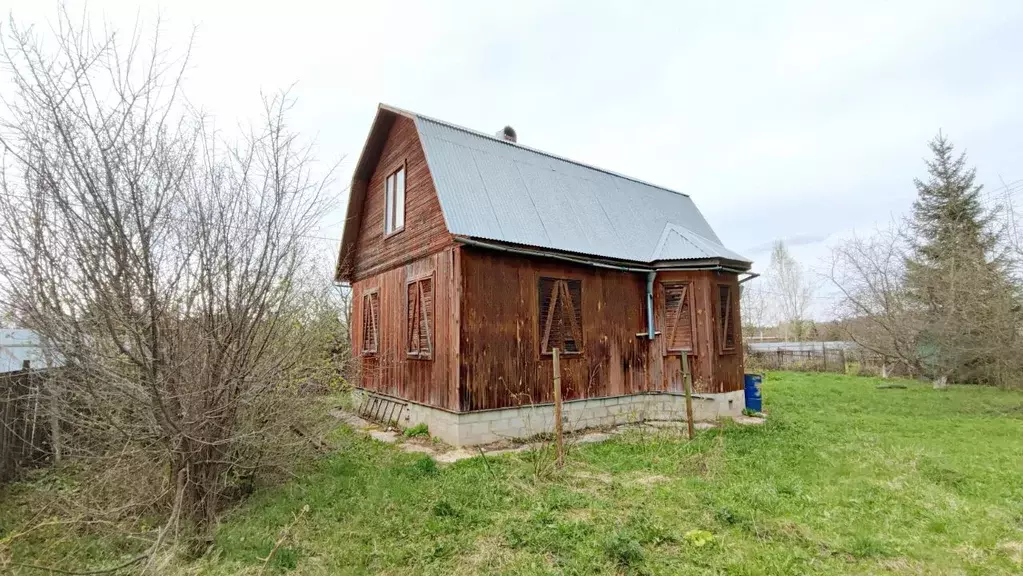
pixel 493 189
pixel 497 190
pixel 678 243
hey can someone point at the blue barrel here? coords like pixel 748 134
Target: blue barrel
pixel 753 400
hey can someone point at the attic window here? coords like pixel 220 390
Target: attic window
pixel 419 319
pixel 394 209
pixel 370 323
pixel 560 322
pixel 726 319
pixel 678 316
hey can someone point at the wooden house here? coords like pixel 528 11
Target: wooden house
pixel 471 257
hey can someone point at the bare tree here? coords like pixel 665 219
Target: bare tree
pixel 755 307
pixel 793 292
pixel 875 308
pixel 160 261
pixel 973 341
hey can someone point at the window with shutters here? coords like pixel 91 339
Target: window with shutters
pixel 726 319
pixel 678 316
pixel 560 322
pixel 419 319
pixel 370 323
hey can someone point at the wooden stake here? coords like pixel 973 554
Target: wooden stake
pixel 687 383
pixel 558 433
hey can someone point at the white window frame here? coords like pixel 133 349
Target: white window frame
pixel 394 207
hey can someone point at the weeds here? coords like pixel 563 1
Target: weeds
pixel 416 431
pixel 623 550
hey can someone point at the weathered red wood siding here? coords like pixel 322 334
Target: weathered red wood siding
pixel 713 372
pixel 500 364
pixel 424 232
pixel 390 371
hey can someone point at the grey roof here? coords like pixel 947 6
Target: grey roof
pixel 492 189
pixel 18 345
pixel 497 190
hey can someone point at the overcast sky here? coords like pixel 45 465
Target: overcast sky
pixel 787 120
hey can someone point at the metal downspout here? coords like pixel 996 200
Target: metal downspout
pixel 650 304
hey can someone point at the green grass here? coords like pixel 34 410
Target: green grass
pixel 843 479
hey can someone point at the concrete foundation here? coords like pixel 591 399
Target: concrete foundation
pixel 486 426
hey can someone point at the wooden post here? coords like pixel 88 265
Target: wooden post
pixel 687 384
pixel 558 432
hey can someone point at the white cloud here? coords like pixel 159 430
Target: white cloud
pixel 781 119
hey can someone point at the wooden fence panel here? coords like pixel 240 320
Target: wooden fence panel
pixel 23 428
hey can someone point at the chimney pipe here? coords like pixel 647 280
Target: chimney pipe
pixel 508 134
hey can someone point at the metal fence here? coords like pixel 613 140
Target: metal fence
pixel 840 360
pixel 822 360
pixel 23 429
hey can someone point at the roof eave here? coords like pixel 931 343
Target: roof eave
pixel 737 266
pixel 703 264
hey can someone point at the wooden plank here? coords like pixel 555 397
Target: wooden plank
pixel 455 323
pixel 687 383
pixel 559 437
pixel 551 307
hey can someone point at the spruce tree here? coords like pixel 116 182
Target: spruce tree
pixel 948 216
pixel 955 273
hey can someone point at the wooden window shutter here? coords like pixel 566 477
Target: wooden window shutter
pixel 560 309
pixel 412 323
pixel 419 320
pixel 678 316
pixel 425 317
pixel 726 318
pixel 370 323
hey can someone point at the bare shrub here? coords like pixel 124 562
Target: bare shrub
pixel 876 309
pixel 164 264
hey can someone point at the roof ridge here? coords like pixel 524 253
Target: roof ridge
pixel 416 115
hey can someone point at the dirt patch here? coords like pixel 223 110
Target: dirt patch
pixel 648 480
pixel 1013 549
pixel 600 478
pixel 903 566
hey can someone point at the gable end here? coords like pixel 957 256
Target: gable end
pixel 366 250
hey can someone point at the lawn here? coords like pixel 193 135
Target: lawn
pixel 845 478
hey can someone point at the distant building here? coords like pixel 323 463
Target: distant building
pixel 19 346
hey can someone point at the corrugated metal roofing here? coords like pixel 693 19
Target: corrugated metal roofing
pixel 496 190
